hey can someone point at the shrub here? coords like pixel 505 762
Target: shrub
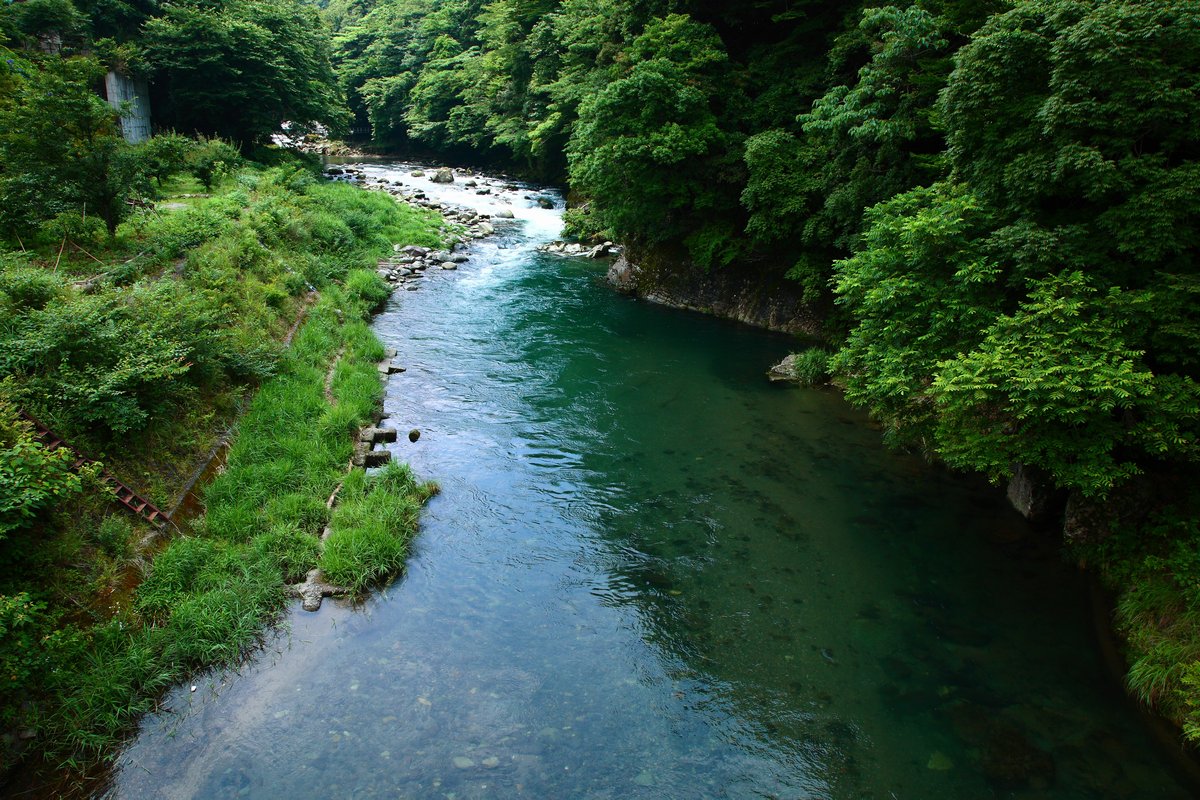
pixel 210 160
pixel 812 367
pixel 29 288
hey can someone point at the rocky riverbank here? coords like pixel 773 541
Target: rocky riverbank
pixel 751 297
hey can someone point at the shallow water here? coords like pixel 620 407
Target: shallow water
pixel 652 574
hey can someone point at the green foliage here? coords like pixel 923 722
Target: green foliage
pixel 32 649
pixel 32 478
pixel 238 70
pixel 1055 384
pixel 212 159
pixel 922 290
pixel 213 315
pixel 62 150
pixel 639 131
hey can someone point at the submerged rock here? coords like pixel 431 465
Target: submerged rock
pixel 314 589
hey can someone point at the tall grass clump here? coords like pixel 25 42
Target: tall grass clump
pixel 374 521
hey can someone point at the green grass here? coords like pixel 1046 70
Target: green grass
pixel 223 279
pixel 371 526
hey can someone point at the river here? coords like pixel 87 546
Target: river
pixel 652 574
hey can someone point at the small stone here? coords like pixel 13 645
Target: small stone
pixel 491 762
pixel 449 265
pixel 462 762
pixel 644 778
pixel 504 213
pixel 413 435
pixel 193 687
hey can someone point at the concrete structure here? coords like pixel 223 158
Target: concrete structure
pixel 131 96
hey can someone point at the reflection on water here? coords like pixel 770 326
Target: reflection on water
pixel 652 574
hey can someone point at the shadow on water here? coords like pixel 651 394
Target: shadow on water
pixel 651 574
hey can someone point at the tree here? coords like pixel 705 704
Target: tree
pixel 1063 254
pixel 237 69
pixel 649 149
pixel 61 151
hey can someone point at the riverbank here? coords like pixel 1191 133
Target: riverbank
pixel 98 626
pixel 1140 542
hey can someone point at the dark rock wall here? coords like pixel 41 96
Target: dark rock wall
pixel 751 296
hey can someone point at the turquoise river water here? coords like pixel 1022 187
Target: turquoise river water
pixel 653 574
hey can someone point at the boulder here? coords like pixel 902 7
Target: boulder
pixel 449 265
pixel 785 370
pixel 377 458
pixel 1032 494
pixel 486 228
pixel 544 202
pixel 417 173
pixel 443 175
pixel 1128 505
pixel 623 276
pixel 504 213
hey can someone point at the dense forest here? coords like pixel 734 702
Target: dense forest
pixel 995 204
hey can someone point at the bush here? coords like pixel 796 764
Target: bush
pixel 812 367
pixel 210 160
pixel 28 288
pixel 167 154
pixel 32 478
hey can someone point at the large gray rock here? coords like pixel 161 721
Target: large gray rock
pixel 443 175
pixel 1031 493
pixel 623 276
pixel 785 370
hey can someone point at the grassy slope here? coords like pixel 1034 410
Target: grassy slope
pixel 90 651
